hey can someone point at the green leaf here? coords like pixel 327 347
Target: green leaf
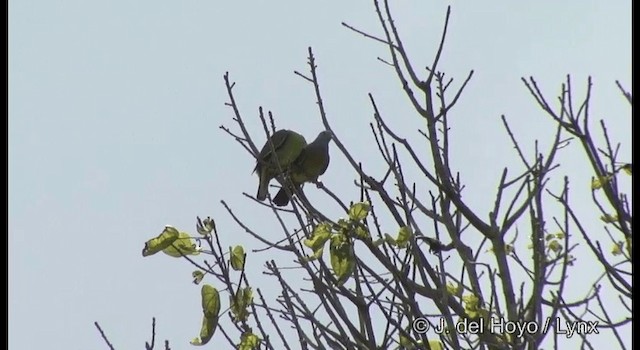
pixel 405 342
pixel 210 301
pixel 403 237
pixel 204 227
pixel 248 341
pixel 211 311
pixel 627 168
pixel 359 211
pixel 597 183
pixel 608 218
pixel 197 276
pixel 454 289
pixel 436 345
pixel 471 305
pixel 315 256
pixel 617 248
pixel 390 240
pixel 206 332
pixel 318 238
pixel 555 246
pixel 184 244
pixel 342 224
pixel 361 232
pixel 237 257
pixel 240 304
pixel 342 257
pixel 378 242
pixel 162 241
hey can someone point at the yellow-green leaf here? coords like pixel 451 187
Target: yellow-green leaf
pixel 343 224
pixel 608 218
pixel 237 257
pixel 471 305
pixel 184 244
pixel 597 183
pixel 617 248
pixel 470 299
pixel 436 345
pixel 197 276
pixel 404 235
pixel 555 246
pixel 162 241
pixel 248 341
pixel 361 232
pixel 390 240
pixel 206 226
pixel 406 343
pixel 315 256
pixel 210 301
pixel 342 257
pixel 359 211
pixel 211 311
pixel 627 168
pixel 454 289
pixel 318 238
pixel 206 331
pixel 378 242
pixel 247 295
pixel 240 304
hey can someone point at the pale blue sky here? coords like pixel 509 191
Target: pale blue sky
pixel 114 108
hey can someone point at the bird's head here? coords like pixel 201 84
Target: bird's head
pixel 324 136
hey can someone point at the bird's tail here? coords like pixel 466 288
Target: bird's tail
pixel 263 188
pixel 282 198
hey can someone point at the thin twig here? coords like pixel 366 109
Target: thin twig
pixel 104 337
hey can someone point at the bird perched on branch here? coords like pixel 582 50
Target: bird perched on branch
pixel 287 145
pixel 310 164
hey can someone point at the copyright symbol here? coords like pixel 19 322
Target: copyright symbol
pixel 420 325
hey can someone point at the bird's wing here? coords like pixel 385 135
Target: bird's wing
pixel 277 139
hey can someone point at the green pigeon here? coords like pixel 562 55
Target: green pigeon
pixel 310 164
pixel 287 145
